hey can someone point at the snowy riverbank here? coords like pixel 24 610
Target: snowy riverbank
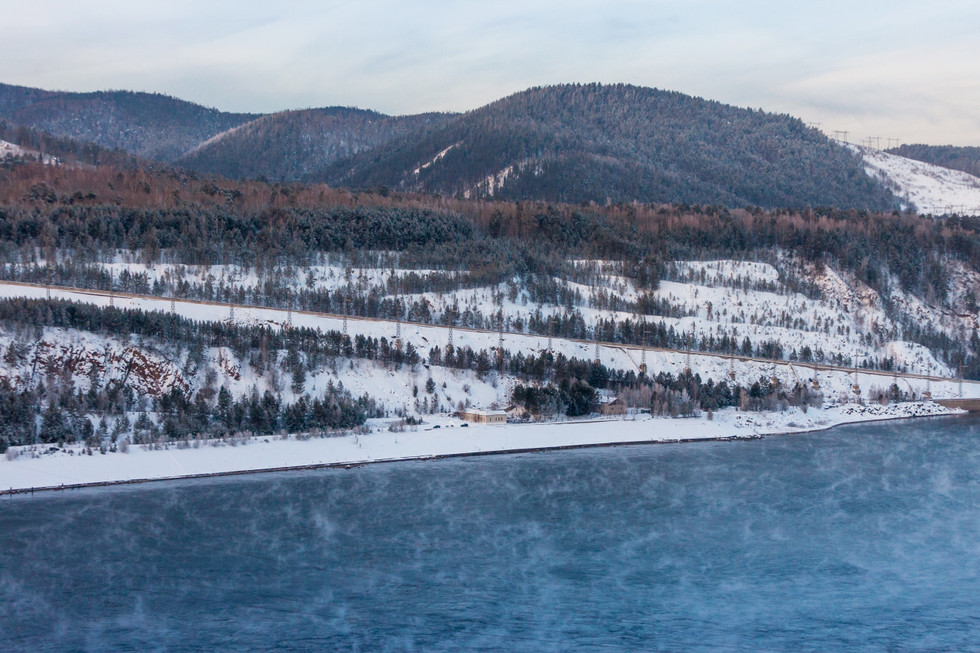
pixel 25 468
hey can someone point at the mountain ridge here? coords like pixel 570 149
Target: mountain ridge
pixel 149 125
pixel 289 145
pixel 615 143
pixel 569 143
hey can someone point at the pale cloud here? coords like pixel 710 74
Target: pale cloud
pixel 921 93
pixel 908 68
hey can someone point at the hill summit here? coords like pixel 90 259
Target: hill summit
pixel 569 143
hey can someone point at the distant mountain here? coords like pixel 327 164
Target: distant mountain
pixel 603 143
pixel 571 143
pixel 965 159
pixel 55 149
pixel 146 124
pixel 290 145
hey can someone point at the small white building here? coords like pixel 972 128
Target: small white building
pixel 481 416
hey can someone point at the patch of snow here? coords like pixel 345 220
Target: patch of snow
pixel 10 150
pixel 436 158
pixel 716 273
pixel 493 183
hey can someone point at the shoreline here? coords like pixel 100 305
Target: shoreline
pixel 725 430
pixel 388 461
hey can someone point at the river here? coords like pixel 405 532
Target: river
pixel 862 537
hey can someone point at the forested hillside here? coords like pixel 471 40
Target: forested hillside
pixel 203 220
pixel 290 145
pixel 881 291
pixel 149 125
pixel 67 150
pixel 598 143
pixel 919 278
pixel 966 159
pixel 570 143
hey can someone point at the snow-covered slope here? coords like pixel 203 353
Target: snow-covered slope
pixel 928 188
pixel 395 389
pixel 10 150
pixel 812 314
pixel 838 320
pixel 87 358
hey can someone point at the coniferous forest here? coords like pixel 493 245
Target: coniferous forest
pixel 104 219
pixel 77 219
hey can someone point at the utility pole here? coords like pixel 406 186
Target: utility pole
pixel 856 388
pixel 643 348
pixel 346 309
pixel 398 311
pixel 551 323
pixel 500 340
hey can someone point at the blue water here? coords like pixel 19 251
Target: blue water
pixel 863 537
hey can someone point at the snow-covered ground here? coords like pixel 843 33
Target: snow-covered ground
pixel 394 387
pixel 12 150
pixel 722 299
pixel 46 467
pixel 325 277
pixel 706 299
pixel 929 188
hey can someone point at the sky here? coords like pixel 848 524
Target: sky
pixel 905 70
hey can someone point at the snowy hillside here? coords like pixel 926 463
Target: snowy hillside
pixel 928 188
pixel 704 304
pixel 401 389
pixel 769 335
pixel 10 150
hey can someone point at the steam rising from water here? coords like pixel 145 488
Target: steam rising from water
pixel 865 536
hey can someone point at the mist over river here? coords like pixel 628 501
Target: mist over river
pixel 861 537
